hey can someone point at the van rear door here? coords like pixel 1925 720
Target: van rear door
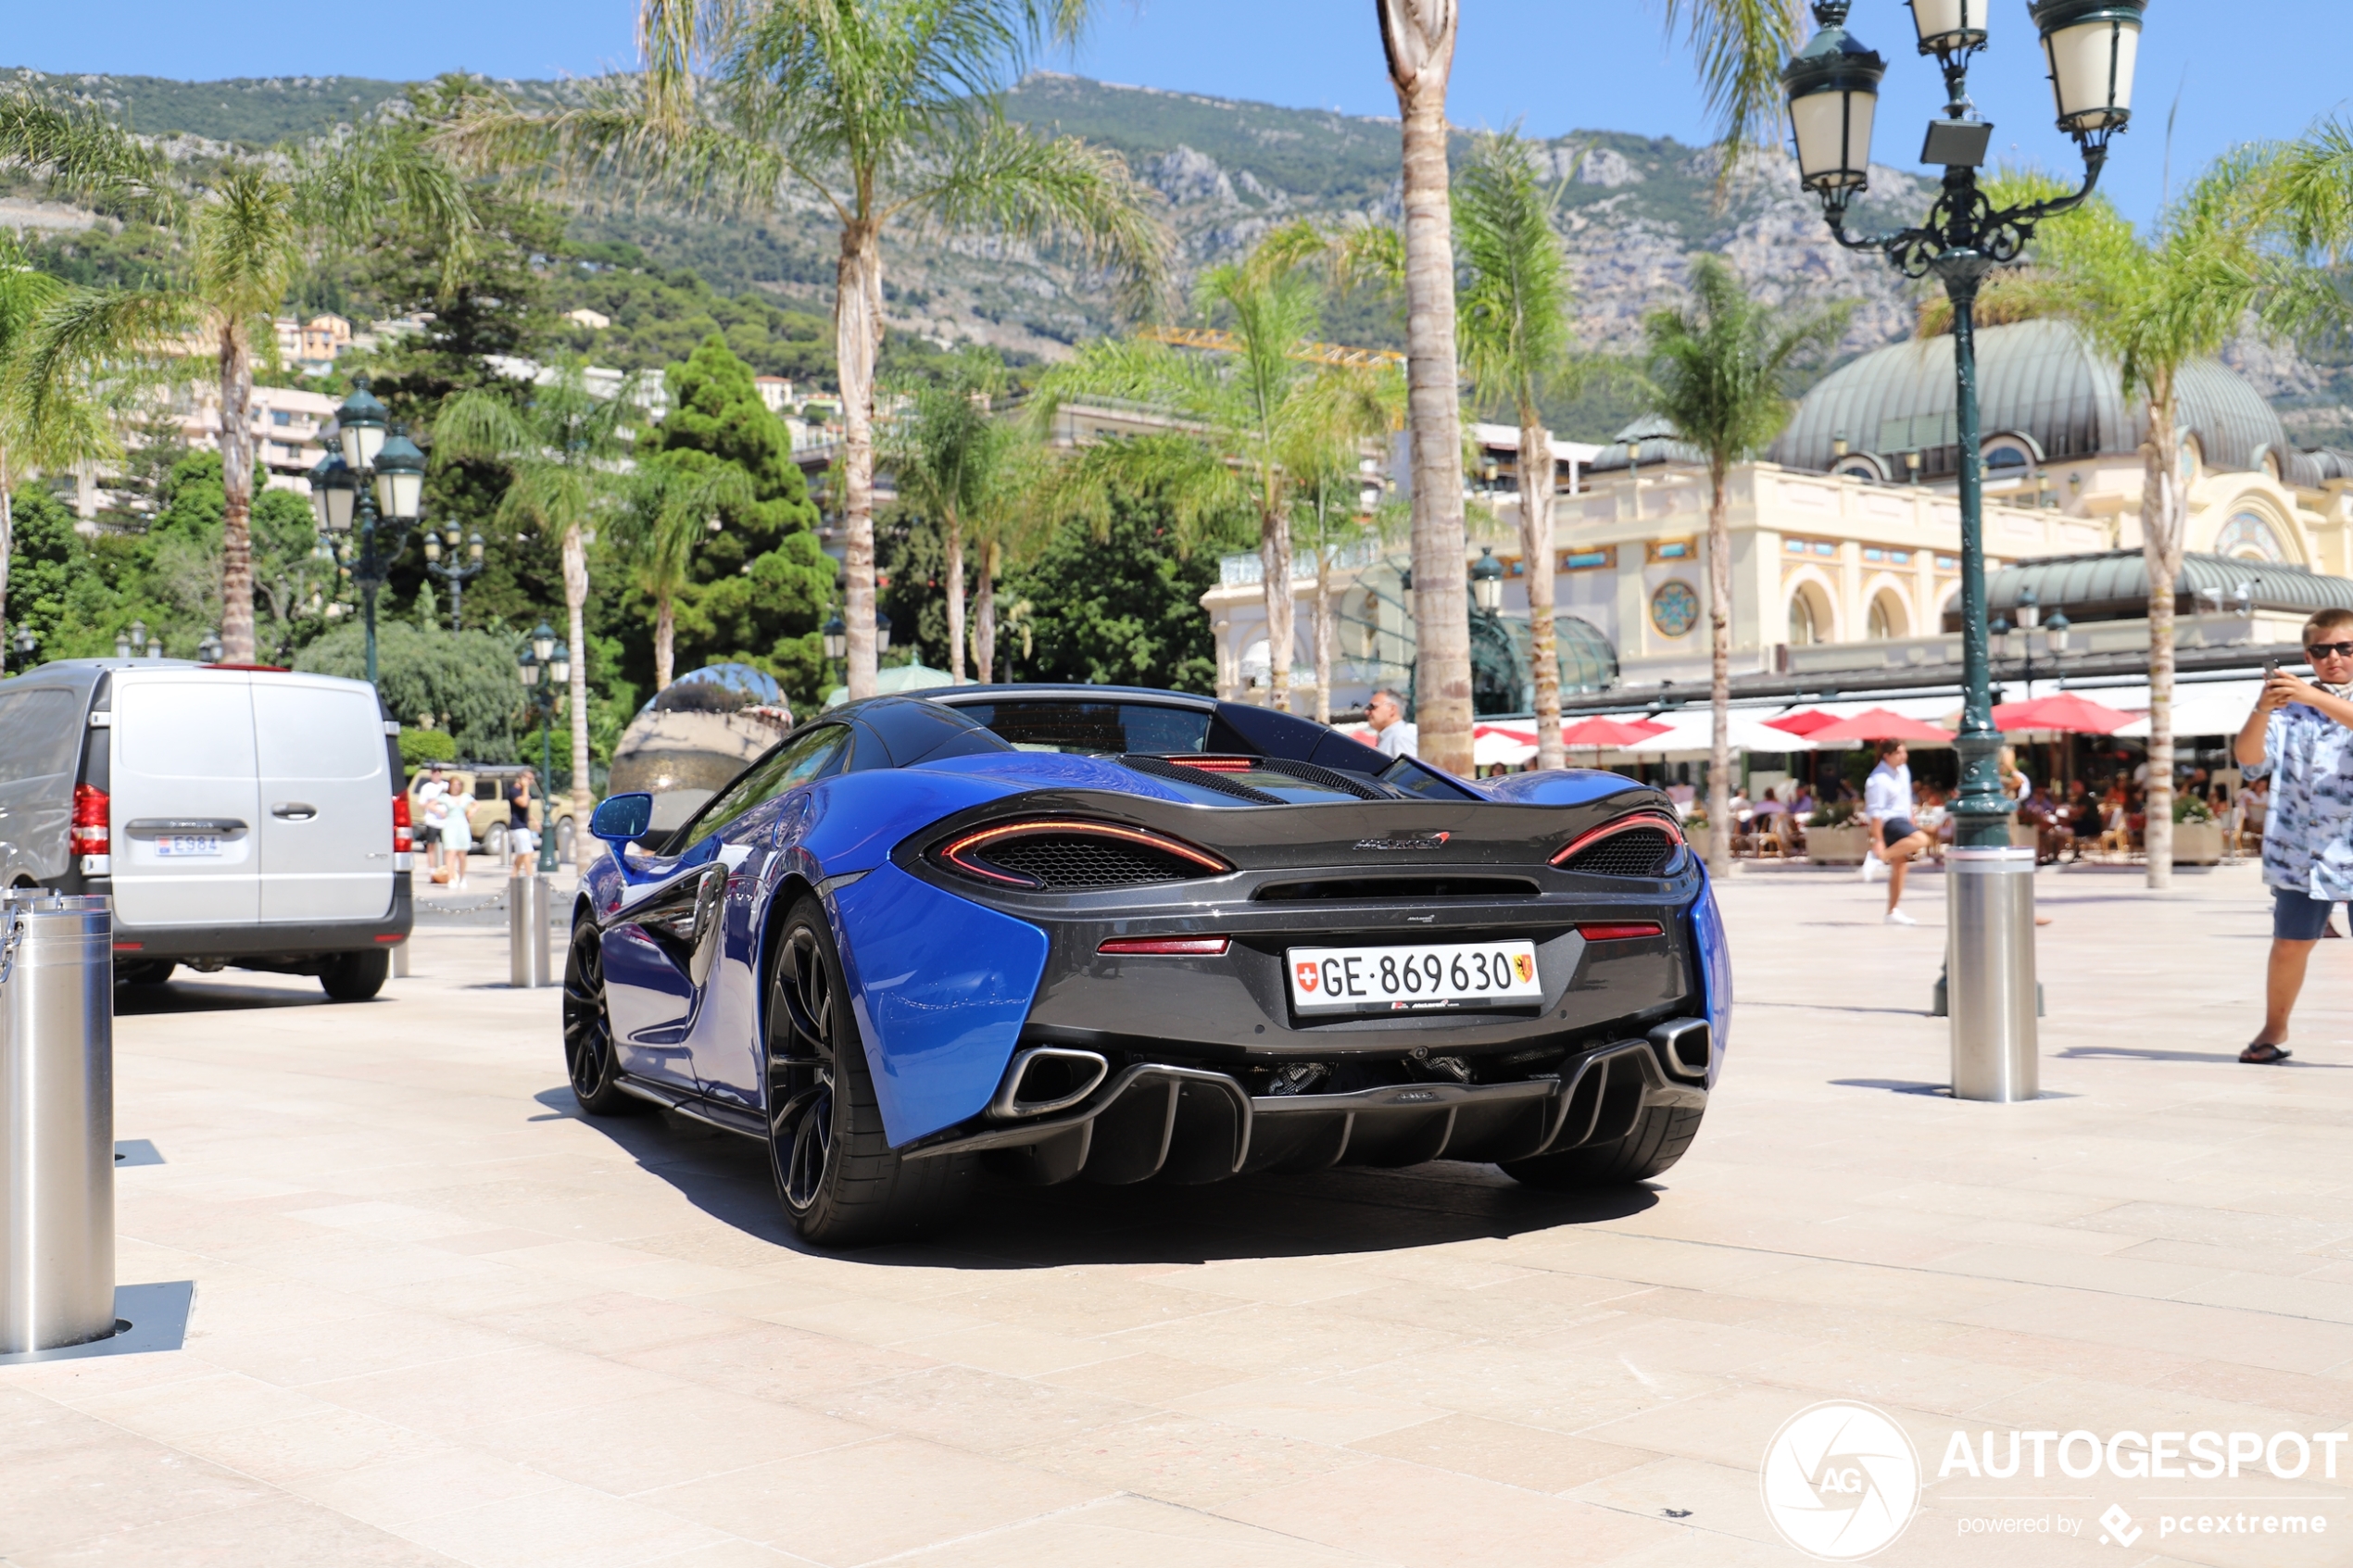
pixel 184 805
pixel 326 800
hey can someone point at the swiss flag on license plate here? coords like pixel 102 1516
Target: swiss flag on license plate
pixel 1306 977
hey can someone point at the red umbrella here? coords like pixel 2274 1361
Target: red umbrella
pixel 1602 733
pixel 2066 711
pixel 1803 724
pixel 1880 723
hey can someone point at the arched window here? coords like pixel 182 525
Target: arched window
pixel 2250 536
pixel 1888 618
pixel 1809 617
pixel 2002 458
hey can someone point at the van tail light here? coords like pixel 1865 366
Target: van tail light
pixel 90 809
pixel 403 841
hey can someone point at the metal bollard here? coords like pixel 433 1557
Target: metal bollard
pixel 527 932
pixel 400 960
pixel 1992 991
pixel 56 1122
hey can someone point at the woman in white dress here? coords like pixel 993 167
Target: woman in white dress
pixel 457 835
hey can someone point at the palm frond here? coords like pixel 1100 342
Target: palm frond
pixel 84 155
pixel 82 338
pixel 1511 306
pixel 1739 47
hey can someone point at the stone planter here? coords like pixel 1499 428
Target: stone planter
pixel 1838 846
pixel 2197 844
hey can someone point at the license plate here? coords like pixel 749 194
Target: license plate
pixel 177 845
pixel 1412 979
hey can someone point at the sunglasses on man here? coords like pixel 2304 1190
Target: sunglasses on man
pixel 2318 651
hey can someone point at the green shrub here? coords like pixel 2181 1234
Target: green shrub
pixel 420 746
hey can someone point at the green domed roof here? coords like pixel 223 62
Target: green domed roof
pixel 2044 380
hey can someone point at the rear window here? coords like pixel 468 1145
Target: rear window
pixel 1093 728
pixel 38 731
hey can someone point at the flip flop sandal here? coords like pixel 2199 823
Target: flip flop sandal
pixel 2264 1054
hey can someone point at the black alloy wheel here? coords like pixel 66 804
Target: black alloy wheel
pixel 839 1180
pixel 589 1061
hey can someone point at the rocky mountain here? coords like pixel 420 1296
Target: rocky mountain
pixel 1635 211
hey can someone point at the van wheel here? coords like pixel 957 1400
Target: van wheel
pixel 356 977
pixel 493 842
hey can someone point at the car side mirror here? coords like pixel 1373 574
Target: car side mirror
pixel 622 818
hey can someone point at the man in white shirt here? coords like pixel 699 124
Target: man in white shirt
pixel 427 833
pixel 1887 801
pixel 1392 735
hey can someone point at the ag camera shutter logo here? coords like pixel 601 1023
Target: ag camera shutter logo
pixel 1841 1481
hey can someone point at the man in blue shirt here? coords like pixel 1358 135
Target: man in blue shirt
pixel 1887 801
pixel 2301 737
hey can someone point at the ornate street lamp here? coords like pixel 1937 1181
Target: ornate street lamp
pixel 209 650
pixel 463 567
pixel 836 637
pixel 24 642
pixel 366 495
pixel 1486 581
pixel 2091 47
pixel 545 665
pixel 882 633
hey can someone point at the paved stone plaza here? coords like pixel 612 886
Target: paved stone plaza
pixel 441 1319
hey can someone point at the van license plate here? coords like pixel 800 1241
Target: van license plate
pixel 1329 979
pixel 179 846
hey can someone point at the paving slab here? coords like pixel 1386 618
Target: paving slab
pixel 442 1317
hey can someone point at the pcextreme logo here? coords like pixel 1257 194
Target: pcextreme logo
pixel 1841 1481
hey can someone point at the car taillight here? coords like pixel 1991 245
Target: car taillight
pixel 1619 931
pixel 403 841
pixel 1639 843
pixel 1166 947
pixel 90 807
pixel 1073 857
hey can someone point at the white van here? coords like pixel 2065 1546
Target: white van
pixel 239 817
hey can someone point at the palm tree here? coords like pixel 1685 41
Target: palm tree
pixel 943 455
pixel 886 111
pixel 669 507
pixel 1721 368
pixel 1269 417
pixel 1514 330
pixel 248 234
pixel 1740 45
pixel 2158 303
pixel 563 452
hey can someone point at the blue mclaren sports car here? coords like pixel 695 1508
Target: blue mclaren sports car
pixel 1085 932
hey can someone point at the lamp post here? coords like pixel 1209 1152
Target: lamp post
pixel 546 667
pixel 366 495
pixel 2090 48
pixel 1487 582
pixel 457 570
pixel 209 650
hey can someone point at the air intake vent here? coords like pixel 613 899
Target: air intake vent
pixel 1643 851
pixel 1074 857
pixel 1639 843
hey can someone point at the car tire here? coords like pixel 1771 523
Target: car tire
pixel 590 1059
pixel 836 1176
pixel 1661 1135
pixel 154 971
pixel 494 841
pixel 356 977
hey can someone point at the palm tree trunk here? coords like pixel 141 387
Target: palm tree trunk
pixel 665 641
pixel 985 616
pixel 1323 636
pixel 576 600
pixel 1273 556
pixel 1418 36
pixel 955 541
pixel 857 339
pixel 2162 541
pixel 1719 674
pixel 237 484
pixel 1536 549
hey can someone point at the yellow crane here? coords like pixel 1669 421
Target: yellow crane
pixel 1217 341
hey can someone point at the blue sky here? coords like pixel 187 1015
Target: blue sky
pixel 1562 65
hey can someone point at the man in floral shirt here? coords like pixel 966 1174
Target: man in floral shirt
pixel 2301 737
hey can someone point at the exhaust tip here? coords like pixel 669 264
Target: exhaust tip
pixel 1048 1078
pixel 1686 1043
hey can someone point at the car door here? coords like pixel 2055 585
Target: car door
pixel 40 731
pixel 185 799
pixel 326 800
pixel 660 950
